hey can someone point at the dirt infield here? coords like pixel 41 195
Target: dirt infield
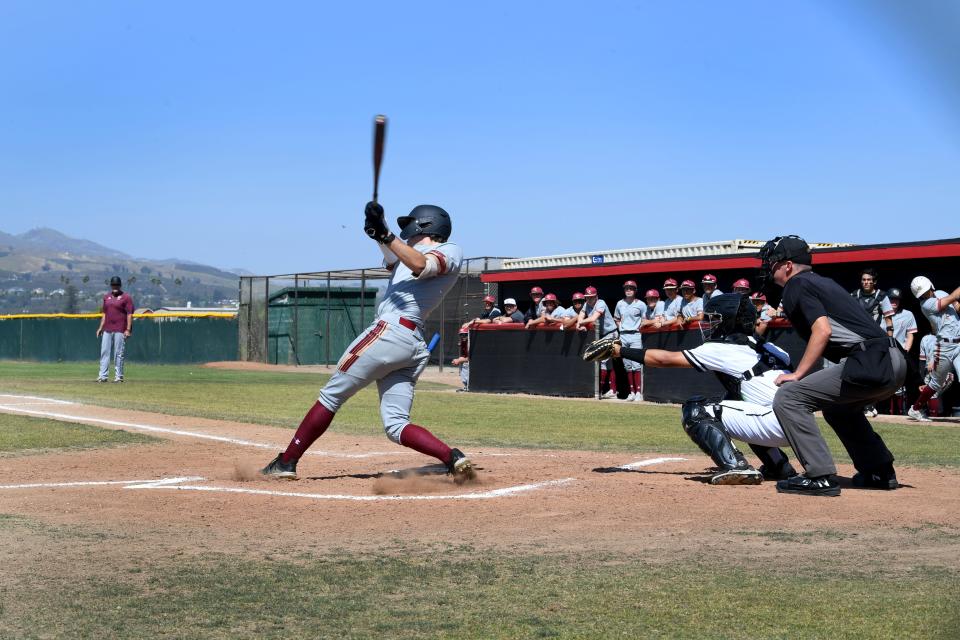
pixel 200 483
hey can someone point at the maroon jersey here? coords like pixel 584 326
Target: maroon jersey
pixel 115 311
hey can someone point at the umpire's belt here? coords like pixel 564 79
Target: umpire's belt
pixel 949 340
pixel 409 324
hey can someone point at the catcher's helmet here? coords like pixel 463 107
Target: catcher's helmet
pixel 427 219
pixel 726 315
pixel 115 281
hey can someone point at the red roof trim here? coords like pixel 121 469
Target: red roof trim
pixel 829 256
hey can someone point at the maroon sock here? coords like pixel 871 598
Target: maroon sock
pixel 635 382
pixel 312 427
pixel 925 394
pixel 604 374
pixel 419 439
pixel 934 407
pixel 612 376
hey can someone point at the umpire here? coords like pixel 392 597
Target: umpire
pixel 835 326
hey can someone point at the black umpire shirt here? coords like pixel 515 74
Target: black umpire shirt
pixel 808 296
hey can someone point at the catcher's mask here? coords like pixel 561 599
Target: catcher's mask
pixel 727 314
pixel 426 219
pixel 781 248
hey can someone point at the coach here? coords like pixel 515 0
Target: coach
pixel 835 326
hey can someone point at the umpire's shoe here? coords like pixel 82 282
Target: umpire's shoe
pixel 460 467
pixel 803 485
pixel 279 469
pixel 885 479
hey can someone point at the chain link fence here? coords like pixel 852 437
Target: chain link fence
pixel 311 318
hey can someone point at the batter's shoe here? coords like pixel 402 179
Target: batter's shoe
pixel 918 415
pixel 885 479
pixel 279 469
pixel 819 486
pixel 781 472
pixel 460 467
pixel 737 476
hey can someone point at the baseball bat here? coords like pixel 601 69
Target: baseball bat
pixel 433 341
pixel 379 137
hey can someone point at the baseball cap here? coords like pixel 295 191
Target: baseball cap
pixel 709 279
pixel 782 248
pixel 509 301
pixel 669 283
pixel 550 298
pixel 489 299
pixel 688 284
pixel 589 291
pixel 742 283
pixel 536 291
pixel 758 296
pixel 651 293
pixel 577 296
pixel 629 283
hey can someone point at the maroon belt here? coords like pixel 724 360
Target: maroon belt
pixel 409 324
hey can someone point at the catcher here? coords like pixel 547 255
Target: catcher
pixel 747 366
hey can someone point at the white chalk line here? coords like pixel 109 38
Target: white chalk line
pixel 179 484
pixel 651 461
pixel 178 432
pixel 42 400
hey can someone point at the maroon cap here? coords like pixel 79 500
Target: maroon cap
pixel 590 291
pixel 489 299
pixel 577 296
pixel 742 283
pixel 709 279
pixel 629 283
pixel 758 296
pixel 652 293
pixel 550 298
pixel 536 290
pixel 688 284
pixel 669 283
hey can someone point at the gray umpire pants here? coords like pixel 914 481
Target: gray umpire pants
pixel 842 406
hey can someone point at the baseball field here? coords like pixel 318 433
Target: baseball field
pixel 135 510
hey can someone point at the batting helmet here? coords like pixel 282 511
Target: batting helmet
pixel 426 219
pixel 577 297
pixel 629 283
pixel 920 285
pixel 726 315
pixel 652 293
pixel 490 299
pixel 590 292
pixel 115 281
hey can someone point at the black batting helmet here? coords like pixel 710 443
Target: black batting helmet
pixel 726 315
pixel 426 219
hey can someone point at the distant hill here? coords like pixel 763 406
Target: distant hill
pixel 41 261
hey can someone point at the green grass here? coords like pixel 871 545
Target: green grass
pixel 472 594
pixel 24 434
pixel 281 398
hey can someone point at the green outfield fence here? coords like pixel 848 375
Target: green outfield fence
pixel 168 338
pixel 311 318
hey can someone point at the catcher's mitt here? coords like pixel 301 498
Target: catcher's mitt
pixel 600 349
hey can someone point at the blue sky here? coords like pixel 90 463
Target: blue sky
pixel 238 134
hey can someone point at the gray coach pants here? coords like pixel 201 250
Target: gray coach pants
pixel 109 339
pixel 842 406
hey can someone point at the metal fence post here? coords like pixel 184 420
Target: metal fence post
pixel 326 335
pixel 296 319
pixel 363 297
pixel 266 316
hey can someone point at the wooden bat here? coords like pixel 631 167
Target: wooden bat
pixel 379 137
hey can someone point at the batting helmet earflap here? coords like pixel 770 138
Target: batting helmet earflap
pixel 726 315
pixel 115 280
pixel 426 219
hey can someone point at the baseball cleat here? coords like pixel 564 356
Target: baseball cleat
pixel 630 398
pixel 918 415
pixel 802 485
pixel 737 476
pixel 609 394
pixel 279 469
pixel 460 467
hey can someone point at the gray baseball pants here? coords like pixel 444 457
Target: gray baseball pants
pixel 842 406
pixel 116 340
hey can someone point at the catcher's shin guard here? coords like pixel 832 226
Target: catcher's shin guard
pixel 707 432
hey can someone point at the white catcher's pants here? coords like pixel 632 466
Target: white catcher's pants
pixel 750 423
